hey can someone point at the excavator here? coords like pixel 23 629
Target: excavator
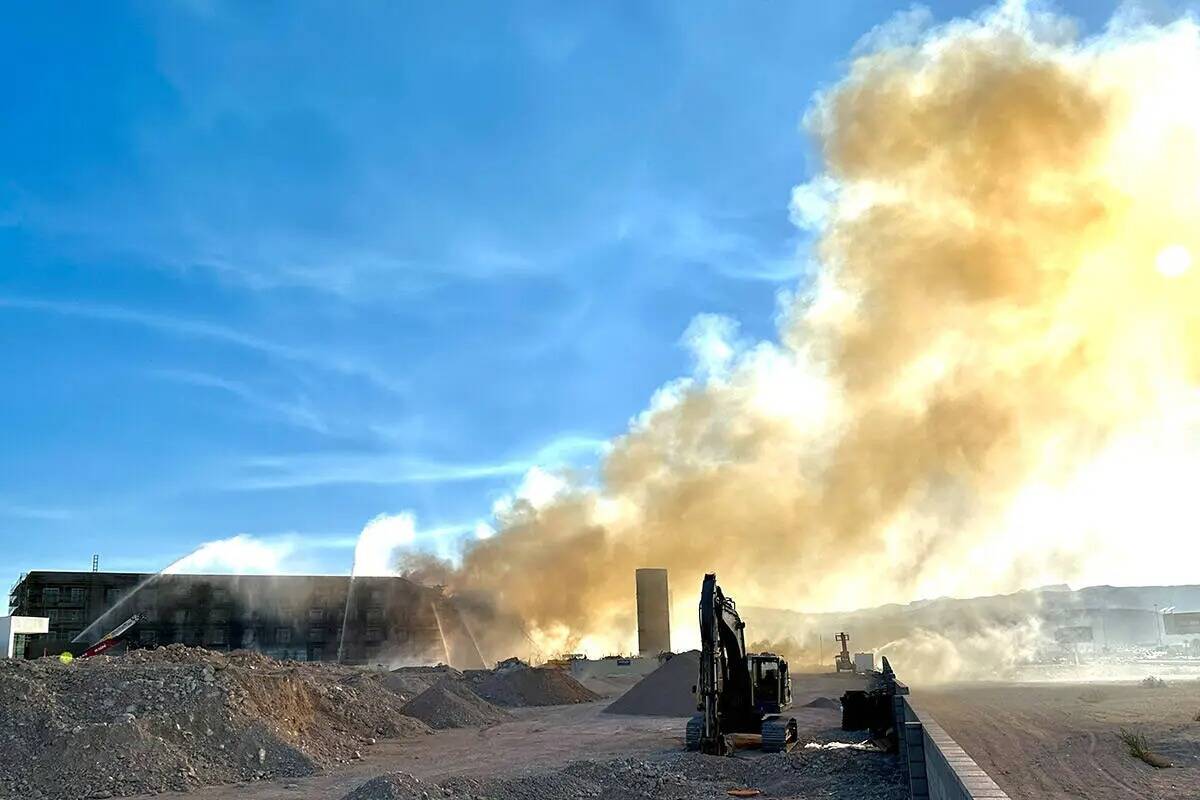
pixel 740 695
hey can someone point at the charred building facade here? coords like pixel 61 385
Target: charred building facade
pixel 305 618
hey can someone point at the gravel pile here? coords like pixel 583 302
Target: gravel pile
pixel 449 703
pixel 176 718
pixel 829 774
pixel 666 692
pixel 514 684
pixel 823 702
pixel 408 682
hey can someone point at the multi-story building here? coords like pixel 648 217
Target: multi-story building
pixel 387 620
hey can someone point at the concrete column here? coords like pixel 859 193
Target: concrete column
pixel 653 612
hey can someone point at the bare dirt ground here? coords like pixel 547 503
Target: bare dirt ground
pixel 1058 741
pixel 536 739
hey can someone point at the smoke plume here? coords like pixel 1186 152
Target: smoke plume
pixel 988 382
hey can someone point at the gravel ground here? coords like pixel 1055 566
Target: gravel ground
pixel 176 718
pixel 844 774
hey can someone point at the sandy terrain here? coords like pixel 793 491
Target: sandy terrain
pixel 1057 741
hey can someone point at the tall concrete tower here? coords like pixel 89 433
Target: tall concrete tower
pixel 653 612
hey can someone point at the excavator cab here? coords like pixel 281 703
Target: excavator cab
pixel 771 685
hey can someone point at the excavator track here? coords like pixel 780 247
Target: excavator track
pixel 695 730
pixel 779 734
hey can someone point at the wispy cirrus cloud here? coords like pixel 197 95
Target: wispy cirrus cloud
pixel 34 512
pixel 298 413
pixel 209 331
pixel 321 469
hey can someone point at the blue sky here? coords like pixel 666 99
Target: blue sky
pixel 277 268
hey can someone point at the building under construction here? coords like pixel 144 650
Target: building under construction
pixel 304 618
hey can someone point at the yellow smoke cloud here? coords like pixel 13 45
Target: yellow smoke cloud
pixel 991 383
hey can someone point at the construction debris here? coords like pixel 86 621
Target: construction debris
pixel 675 776
pixel 408 682
pixel 177 717
pixel 514 684
pixel 450 703
pixel 666 692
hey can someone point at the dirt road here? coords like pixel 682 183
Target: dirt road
pixel 1058 741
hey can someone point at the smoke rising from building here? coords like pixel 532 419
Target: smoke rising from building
pixel 989 383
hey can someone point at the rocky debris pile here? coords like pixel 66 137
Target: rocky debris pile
pixel 823 702
pixel 834 774
pixel 449 703
pixel 666 692
pixel 514 683
pixel 408 682
pixel 177 717
pixel 396 786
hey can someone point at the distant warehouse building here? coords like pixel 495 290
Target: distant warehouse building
pixel 389 620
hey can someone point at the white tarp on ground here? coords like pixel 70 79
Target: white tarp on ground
pixel 11 626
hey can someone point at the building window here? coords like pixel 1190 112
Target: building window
pixel 219 615
pixel 316 634
pixel 316 615
pixel 376 597
pixel 374 616
pixel 248 637
pixel 75 595
pixel 180 616
pixel 283 635
pixel 374 635
pixel 111 595
pixel 148 638
pixel 218 636
pixel 50 596
pixel 73 635
pixel 220 595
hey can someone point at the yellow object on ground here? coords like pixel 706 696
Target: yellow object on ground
pixel 66 658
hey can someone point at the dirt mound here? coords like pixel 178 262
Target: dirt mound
pixel 515 683
pixel 666 692
pixel 449 703
pixel 396 786
pixel 408 682
pixel 177 717
pixel 823 702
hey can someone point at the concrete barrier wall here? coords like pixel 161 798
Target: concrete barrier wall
pixel 938 769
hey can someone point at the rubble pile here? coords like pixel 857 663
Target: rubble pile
pixel 666 692
pixel 449 703
pixel 409 682
pixel 833 774
pixel 514 683
pixel 177 717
